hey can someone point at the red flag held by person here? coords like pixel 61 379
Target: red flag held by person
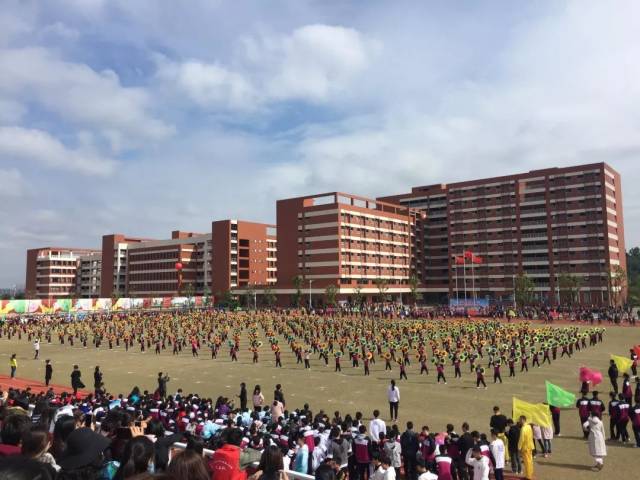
pixel 468 254
pixel 476 259
pixel 459 261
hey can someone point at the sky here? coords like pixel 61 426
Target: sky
pixel 142 117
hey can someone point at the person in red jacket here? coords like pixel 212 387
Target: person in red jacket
pixel 225 463
pixel 635 422
pixel 362 451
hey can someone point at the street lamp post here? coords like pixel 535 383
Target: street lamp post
pixel 310 282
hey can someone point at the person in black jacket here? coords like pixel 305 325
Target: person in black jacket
pixel 48 372
pixel 97 380
pixel 513 436
pixel 278 395
pixel 243 396
pixel 162 384
pixel 613 375
pixel 76 381
pixel 409 446
pixel 465 443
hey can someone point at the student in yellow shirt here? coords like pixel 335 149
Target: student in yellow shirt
pixel 13 363
pixel 526 446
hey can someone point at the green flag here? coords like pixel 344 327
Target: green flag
pixel 559 397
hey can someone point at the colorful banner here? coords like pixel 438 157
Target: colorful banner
pixel 623 363
pixel 537 413
pixel 88 305
pixel 559 397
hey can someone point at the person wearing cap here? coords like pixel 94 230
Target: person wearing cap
pixel 84 455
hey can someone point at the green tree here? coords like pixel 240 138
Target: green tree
pixel 358 298
pixel 206 296
pixel 230 300
pixel 382 284
pixel 617 285
pixel 330 294
pixel 569 286
pixel 524 288
pixel 633 276
pixel 268 297
pixel 249 296
pixel 189 291
pixel 413 286
pixel 297 284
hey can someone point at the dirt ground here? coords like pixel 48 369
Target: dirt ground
pixel 422 400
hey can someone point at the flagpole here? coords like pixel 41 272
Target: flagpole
pixel 473 281
pixel 464 277
pixel 455 262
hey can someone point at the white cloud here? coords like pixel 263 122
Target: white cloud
pixel 13 184
pixel 209 84
pixel 37 146
pixel 11 111
pixel 313 63
pixel 79 94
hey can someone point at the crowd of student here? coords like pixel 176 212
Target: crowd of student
pixel 104 437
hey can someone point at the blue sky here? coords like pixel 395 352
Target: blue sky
pixel 145 116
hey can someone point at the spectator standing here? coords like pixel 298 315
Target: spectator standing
pixel 393 394
pixel 376 426
pixel 48 372
pixel 409 447
pixel 76 381
pixel 597 445
pixel 13 363
pixel 498 454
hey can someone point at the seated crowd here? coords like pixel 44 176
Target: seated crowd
pixel 47 436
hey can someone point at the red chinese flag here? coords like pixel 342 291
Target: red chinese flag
pixel 468 254
pixel 477 259
pixel 636 349
pixel 459 261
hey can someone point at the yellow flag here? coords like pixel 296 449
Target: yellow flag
pixel 537 413
pixel 623 364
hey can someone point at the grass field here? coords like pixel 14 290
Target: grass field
pixel 422 400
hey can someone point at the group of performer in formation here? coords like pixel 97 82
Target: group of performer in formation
pixel 461 345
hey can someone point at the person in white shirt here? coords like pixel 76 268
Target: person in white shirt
pixel 376 426
pixel 376 466
pixel 479 462
pixel 36 348
pixel 423 473
pixel 497 450
pixel 389 471
pixel 393 394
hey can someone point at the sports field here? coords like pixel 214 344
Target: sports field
pixel 422 400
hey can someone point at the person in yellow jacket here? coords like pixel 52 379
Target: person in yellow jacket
pixel 526 447
pixel 13 363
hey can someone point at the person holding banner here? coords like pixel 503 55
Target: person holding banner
pixel 526 447
pixel 613 375
pixel 597 445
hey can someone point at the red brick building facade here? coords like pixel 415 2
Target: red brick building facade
pixel 350 242
pixel 544 223
pixel 51 271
